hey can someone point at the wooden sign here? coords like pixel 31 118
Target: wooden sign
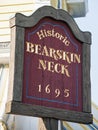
pixel 50 67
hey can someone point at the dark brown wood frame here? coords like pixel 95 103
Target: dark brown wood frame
pixel 14 104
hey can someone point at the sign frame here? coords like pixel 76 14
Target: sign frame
pixel 14 104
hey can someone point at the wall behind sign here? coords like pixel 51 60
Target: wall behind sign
pixel 8 9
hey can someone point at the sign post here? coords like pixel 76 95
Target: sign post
pixel 50 67
pixel 48 124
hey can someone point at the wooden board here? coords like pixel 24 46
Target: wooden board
pixel 50 67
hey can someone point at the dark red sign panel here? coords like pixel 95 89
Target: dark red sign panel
pixel 52 66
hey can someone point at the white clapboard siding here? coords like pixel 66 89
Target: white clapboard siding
pixel 9 8
pixel 6 12
pixel 3 30
pixel 10 2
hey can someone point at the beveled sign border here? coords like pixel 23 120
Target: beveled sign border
pixel 14 104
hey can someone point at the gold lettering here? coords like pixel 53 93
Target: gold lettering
pixel 42 65
pixel 66 57
pixel 57 35
pixel 49 33
pixel 57 68
pixel 54 67
pixel 52 33
pixel 76 58
pixel 45 51
pixel 72 57
pixel 50 66
pixel 37 49
pixel 67 43
pixel 41 34
pixel 64 70
pixel 30 47
pixel 61 37
pixel 53 53
pixel 59 54
pixel 45 33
